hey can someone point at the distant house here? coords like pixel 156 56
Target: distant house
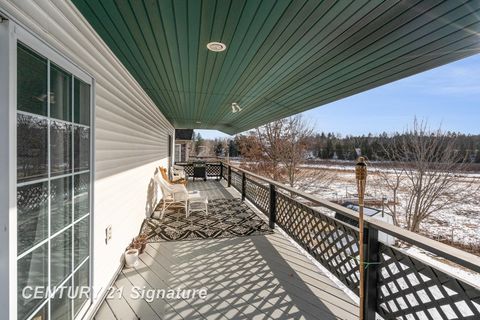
pixel 368 212
pixel 183 144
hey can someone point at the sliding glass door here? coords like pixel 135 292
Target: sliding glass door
pixel 53 189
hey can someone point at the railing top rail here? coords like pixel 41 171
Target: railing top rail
pixel 455 255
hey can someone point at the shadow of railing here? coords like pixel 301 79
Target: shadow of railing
pixel 245 277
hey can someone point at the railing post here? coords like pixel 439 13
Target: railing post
pixel 244 182
pixel 372 257
pixel 229 177
pixel 221 171
pixel 272 208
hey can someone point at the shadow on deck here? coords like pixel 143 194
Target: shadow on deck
pixel 251 277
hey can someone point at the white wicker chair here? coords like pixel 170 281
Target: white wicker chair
pixel 177 194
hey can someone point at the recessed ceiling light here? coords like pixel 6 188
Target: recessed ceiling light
pixel 216 46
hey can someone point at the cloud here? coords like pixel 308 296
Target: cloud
pixel 458 78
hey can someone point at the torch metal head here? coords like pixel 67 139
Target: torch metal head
pixel 361 169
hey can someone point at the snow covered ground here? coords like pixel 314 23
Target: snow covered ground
pixel 460 223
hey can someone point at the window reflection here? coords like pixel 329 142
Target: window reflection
pixel 32 82
pixel 32 152
pixel 32 270
pixel 61 303
pixel 82 148
pixel 32 215
pixel 60 148
pixel 81 242
pixel 61 257
pixel 82 195
pixel 42 314
pixel 60 94
pixel 81 279
pixel 81 102
pixel 61 203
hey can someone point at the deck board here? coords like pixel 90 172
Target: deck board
pixel 120 307
pixel 143 277
pixel 254 277
pixel 105 313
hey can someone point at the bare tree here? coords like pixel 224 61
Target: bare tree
pixel 278 150
pixel 392 180
pixel 293 146
pixel 426 171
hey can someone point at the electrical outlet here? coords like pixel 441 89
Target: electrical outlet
pixel 108 234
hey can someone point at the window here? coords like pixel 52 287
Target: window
pixel 53 186
pixel 178 153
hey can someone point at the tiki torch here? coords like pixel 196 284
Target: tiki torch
pixel 361 177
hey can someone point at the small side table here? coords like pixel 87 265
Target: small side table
pixel 197 202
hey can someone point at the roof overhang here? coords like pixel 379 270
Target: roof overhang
pixel 282 57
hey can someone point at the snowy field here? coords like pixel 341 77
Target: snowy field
pixel 460 223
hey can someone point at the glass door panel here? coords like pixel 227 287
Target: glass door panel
pixel 53 187
pixel 60 94
pixel 32 82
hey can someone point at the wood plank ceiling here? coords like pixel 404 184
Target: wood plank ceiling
pixel 283 56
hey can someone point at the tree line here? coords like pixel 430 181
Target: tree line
pixel 332 146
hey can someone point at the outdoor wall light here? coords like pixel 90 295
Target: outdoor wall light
pixel 216 46
pixel 236 108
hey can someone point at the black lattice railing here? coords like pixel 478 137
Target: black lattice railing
pixel 211 169
pixel 258 194
pixel 237 180
pixel 214 170
pixel 188 168
pixel 224 171
pixel 330 241
pixel 398 285
pixel 411 289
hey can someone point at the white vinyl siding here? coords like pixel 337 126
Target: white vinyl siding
pixel 130 135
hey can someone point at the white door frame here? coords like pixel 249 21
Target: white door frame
pixel 8 172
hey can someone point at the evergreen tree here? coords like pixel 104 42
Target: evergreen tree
pixel 198 143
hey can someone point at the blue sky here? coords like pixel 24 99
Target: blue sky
pixel 448 96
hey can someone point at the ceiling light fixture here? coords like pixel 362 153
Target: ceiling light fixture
pixel 236 108
pixel 198 122
pixel 216 46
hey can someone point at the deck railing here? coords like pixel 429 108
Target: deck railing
pixel 213 169
pixel 398 284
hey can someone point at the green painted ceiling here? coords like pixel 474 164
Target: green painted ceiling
pixel 282 57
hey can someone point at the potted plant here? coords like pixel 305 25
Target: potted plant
pixel 131 257
pixel 136 247
pixel 141 242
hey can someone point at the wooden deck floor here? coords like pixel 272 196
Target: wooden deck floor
pixel 256 277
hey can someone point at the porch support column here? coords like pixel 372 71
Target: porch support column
pixel 272 214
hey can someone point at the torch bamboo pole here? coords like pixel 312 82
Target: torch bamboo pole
pixel 361 178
